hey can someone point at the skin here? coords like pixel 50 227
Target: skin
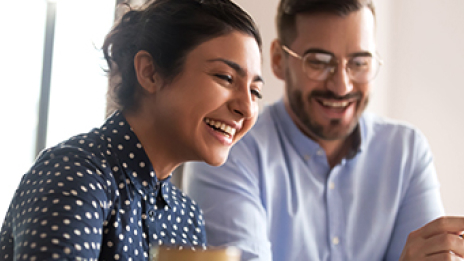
pixel 438 240
pixel 221 80
pixel 344 37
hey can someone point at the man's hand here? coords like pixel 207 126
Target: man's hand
pixel 438 240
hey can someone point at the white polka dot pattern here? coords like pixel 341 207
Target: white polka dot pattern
pixel 96 197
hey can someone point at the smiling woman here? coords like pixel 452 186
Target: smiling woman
pixel 185 83
pixel 220 84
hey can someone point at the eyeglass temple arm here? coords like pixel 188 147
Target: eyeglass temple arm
pixel 292 53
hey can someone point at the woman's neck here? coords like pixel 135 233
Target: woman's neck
pixel 160 152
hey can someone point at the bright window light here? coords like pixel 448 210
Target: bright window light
pixel 21 50
pixel 78 83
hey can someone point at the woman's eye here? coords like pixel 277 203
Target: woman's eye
pixel 224 77
pixel 256 93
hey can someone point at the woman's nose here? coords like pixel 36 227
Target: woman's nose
pixel 243 104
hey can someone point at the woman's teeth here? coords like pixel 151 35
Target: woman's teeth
pixel 227 129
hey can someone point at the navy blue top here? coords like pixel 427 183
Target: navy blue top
pixel 96 197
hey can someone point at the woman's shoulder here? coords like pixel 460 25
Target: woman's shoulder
pixel 82 147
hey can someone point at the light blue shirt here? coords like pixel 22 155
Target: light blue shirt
pixel 276 197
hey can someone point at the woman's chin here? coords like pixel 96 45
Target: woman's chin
pixel 218 159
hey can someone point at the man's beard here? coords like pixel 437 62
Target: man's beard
pixel 334 131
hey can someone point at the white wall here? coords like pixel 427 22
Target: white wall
pixel 422 44
pixel 426 86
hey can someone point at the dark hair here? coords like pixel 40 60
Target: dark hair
pixel 168 30
pixel 288 9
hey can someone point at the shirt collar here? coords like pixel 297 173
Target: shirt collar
pixel 134 162
pixel 302 143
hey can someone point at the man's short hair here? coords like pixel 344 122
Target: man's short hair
pixel 288 9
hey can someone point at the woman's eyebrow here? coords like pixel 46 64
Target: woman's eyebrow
pixel 232 65
pixel 239 69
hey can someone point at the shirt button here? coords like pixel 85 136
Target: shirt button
pixel 320 152
pixel 335 240
pixel 151 213
pixel 331 185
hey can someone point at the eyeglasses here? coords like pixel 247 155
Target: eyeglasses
pixel 320 66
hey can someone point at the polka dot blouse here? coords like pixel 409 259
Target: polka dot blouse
pixel 96 197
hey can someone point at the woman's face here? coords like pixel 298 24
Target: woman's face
pixel 213 102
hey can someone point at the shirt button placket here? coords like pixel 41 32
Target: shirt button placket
pixel 151 207
pixel 151 218
pixel 331 185
pixel 151 214
pixel 335 215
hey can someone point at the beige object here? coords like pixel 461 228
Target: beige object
pixel 218 254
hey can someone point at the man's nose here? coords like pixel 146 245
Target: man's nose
pixel 340 82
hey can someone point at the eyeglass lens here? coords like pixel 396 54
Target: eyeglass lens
pixel 319 66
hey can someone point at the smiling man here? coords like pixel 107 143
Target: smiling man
pixel 318 178
pixel 327 86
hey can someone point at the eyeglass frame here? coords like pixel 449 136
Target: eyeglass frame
pixel 333 68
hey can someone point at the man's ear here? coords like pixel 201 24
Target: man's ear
pixel 146 73
pixel 277 60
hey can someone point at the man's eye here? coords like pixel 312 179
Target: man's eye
pixel 361 63
pixel 317 64
pixel 224 77
pixel 256 93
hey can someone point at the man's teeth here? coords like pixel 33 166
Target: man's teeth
pixel 335 104
pixel 222 126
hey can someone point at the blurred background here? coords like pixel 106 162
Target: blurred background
pixel 53 85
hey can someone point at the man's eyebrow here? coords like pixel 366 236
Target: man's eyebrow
pixel 318 50
pixel 239 69
pixel 363 54
pixel 357 54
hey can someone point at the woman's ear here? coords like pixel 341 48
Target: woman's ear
pixel 146 73
pixel 277 60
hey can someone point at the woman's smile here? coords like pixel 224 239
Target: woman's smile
pixel 222 130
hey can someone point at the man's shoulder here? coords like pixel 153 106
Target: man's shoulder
pixel 382 129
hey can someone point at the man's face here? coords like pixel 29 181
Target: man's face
pixel 328 109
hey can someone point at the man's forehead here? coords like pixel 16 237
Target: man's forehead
pixel 354 32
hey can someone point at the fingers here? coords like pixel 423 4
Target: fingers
pixel 438 240
pixel 443 257
pixel 444 243
pixel 451 225
pixel 420 252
